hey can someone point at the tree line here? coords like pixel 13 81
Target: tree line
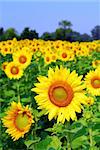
pixel 63 32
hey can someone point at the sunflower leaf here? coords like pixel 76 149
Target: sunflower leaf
pixel 76 143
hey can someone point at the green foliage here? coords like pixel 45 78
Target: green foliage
pixel 29 34
pixel 96 32
pixel 50 142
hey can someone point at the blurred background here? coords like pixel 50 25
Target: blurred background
pixel 71 20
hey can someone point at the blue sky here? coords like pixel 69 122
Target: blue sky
pixel 44 15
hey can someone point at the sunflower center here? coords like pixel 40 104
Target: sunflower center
pixel 14 70
pixel 53 57
pixel 95 82
pixel 22 120
pixel 60 93
pixel 64 55
pixel 97 62
pixel 47 59
pixel 22 59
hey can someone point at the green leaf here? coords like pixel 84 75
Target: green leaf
pixel 79 133
pixel 95 132
pixel 83 122
pixel 97 138
pixel 50 143
pixel 42 145
pixel 9 93
pixel 2 100
pixel 1 80
pixel 29 143
pixel 97 120
pixel 76 143
pixel 2 115
pixel 41 113
pixel 96 126
pixel 58 128
pixel 25 100
pixel 55 143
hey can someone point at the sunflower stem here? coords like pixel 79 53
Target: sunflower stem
pixel 91 141
pixel 39 69
pixel 68 137
pixel 68 142
pixel 63 63
pixel 18 91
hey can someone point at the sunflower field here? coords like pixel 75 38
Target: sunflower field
pixel 49 95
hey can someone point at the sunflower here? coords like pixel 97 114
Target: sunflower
pixel 96 63
pixel 18 120
pixel 60 94
pixel 92 81
pixel 13 70
pixel 23 57
pixel 65 55
pixel 5 50
pixel 4 65
pixel 54 57
pixel 47 58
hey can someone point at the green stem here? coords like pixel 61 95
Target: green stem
pixel 68 137
pixel 91 141
pixel 63 63
pixel 68 145
pixel 18 92
pixel 39 68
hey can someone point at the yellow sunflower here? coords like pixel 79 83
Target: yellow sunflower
pixel 54 57
pixel 47 58
pixel 96 63
pixel 65 55
pixel 60 94
pixel 5 50
pixel 23 57
pixel 13 70
pixel 18 120
pixel 92 81
pixel 4 65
